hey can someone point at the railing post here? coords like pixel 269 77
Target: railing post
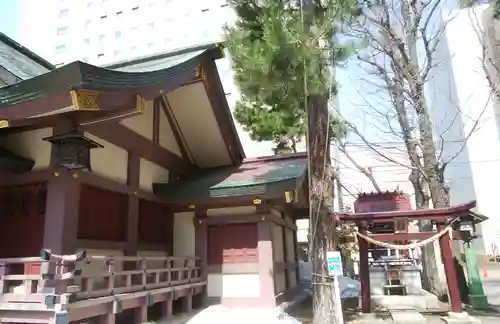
pixel 143 264
pixel 169 271
pixel 3 271
pixel 111 274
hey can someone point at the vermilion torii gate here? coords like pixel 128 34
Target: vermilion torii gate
pixel 442 217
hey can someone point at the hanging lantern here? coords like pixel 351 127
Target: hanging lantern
pixel 72 150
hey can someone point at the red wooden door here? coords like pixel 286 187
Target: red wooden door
pixel 234 243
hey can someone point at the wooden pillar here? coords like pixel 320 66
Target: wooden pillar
pixel 63 203
pixel 167 306
pixel 141 313
pixel 284 229
pixel 201 247
pixel 296 254
pixel 449 270
pixel 364 272
pixel 187 302
pixel 133 173
pixel 266 259
pixel 108 318
pixel 61 215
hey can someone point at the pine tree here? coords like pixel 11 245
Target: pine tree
pixel 282 52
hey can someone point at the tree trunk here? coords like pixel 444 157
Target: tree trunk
pixel 322 233
pixel 430 278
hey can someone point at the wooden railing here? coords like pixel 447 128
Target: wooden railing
pixel 53 279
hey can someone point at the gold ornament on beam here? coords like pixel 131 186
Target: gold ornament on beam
pixel 84 100
pixel 4 123
pixel 140 104
pixel 201 73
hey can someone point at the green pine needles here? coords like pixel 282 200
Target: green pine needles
pixel 276 55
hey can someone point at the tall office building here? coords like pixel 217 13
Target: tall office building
pixel 466 114
pixel 106 31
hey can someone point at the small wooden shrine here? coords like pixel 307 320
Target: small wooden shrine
pixel 384 217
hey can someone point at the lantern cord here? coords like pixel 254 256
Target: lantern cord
pixel 413 245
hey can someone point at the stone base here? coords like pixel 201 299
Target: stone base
pixel 367 318
pixel 479 302
pixel 425 301
pixel 407 316
pixel 460 318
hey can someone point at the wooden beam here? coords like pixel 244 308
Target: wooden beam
pixel 215 92
pixel 126 138
pixel 179 138
pixel 156 121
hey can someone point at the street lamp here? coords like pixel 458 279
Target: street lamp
pixel 466 226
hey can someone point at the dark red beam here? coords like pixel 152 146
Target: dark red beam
pixel 423 214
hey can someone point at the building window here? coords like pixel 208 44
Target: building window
pixel 64 13
pixel 135 10
pixel 133 49
pixel 62 30
pixel 86 41
pixel 151 25
pixel 88 22
pixel 151 5
pixel 100 56
pixel 224 5
pixel 119 14
pixel 104 19
pixel 89 4
pixel 117 53
pixel 102 38
pixel 150 45
pixel 134 30
pixel 60 49
pixel 118 34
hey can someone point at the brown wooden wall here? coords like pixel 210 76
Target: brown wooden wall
pixel 22 216
pixel 232 243
pixel 103 215
pixel 156 224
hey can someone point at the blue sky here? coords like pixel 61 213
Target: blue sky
pixel 9 14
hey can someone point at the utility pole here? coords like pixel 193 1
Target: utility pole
pixel 321 226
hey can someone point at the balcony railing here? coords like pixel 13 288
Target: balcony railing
pixel 63 280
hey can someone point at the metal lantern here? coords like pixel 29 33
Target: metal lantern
pixel 466 228
pixel 72 150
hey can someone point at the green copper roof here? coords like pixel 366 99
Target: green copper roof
pixel 18 62
pixel 256 178
pixel 136 75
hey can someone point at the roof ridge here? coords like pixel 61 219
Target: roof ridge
pixel 26 51
pixel 161 55
pixel 270 158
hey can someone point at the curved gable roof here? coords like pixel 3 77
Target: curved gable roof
pixel 18 63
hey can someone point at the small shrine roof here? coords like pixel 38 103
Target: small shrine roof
pixel 437 213
pixel 259 177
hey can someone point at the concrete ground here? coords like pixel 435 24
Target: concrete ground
pixel 491 285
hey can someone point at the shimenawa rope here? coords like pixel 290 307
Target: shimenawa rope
pixel 407 246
